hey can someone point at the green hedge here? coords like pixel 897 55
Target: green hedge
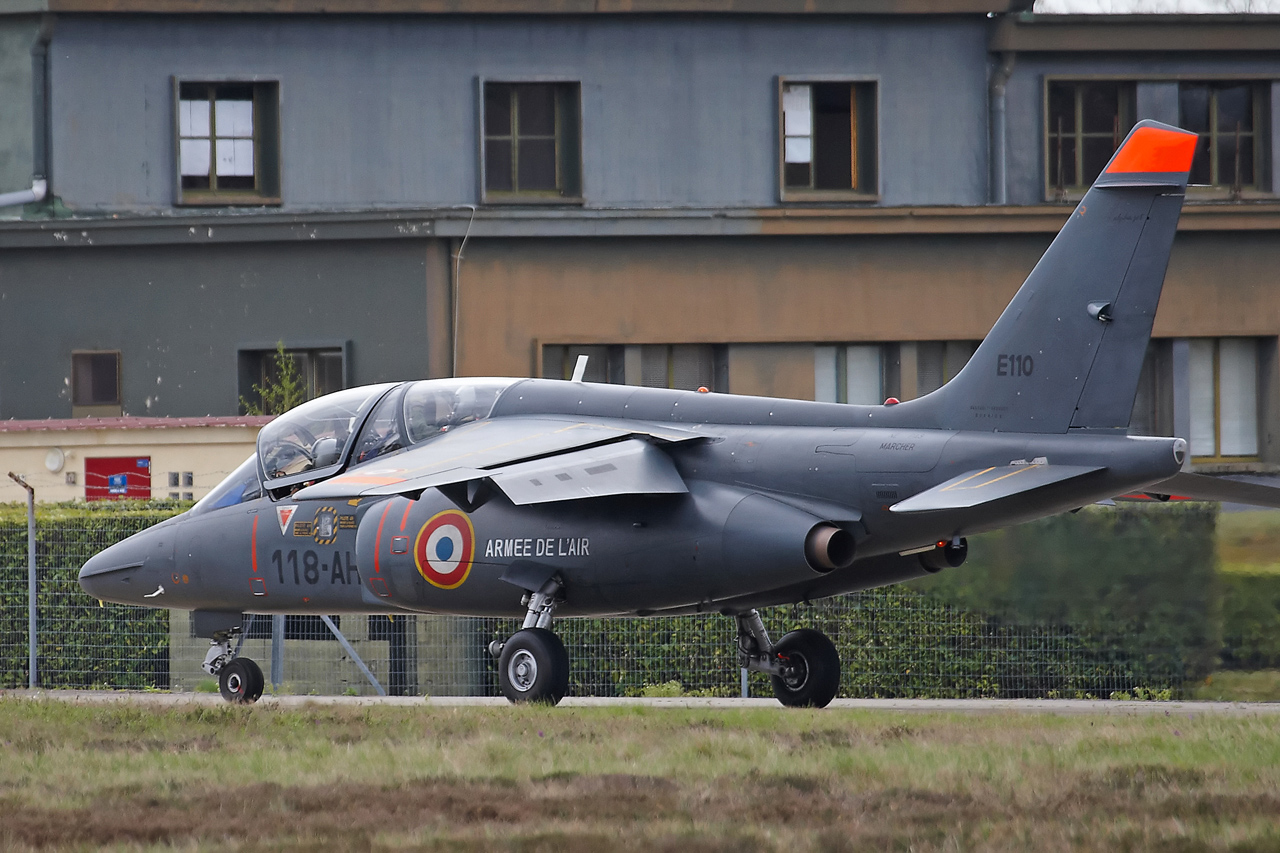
pixel 1251 621
pixel 80 644
pixel 1147 573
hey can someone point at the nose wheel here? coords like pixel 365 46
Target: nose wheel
pixel 240 681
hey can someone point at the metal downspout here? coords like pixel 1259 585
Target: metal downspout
pixel 39 121
pixel 999 190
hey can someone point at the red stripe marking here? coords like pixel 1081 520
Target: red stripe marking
pixel 405 518
pixel 1151 149
pixel 377 540
pixel 255 545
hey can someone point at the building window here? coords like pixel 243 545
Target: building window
pixel 228 143
pixel 532 143
pixel 1224 397
pixel 938 362
pixel 687 367
pixel 95 384
pixel 828 140
pixel 314 372
pixel 1153 400
pixel 1229 118
pixel 864 374
pixel 1087 121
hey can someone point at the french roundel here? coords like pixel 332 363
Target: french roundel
pixel 444 549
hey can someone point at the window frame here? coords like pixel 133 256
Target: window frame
pixel 1217 456
pixel 801 194
pixel 92 409
pixel 249 358
pixel 1076 192
pixel 1194 193
pixel 267 164
pixel 1263 180
pixel 567 193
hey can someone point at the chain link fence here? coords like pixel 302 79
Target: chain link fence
pixel 894 642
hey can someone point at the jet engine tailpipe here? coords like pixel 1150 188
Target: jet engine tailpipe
pixel 828 547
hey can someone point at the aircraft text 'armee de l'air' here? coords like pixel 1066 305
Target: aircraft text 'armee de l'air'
pixel 543 498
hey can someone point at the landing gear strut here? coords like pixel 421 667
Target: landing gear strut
pixel 240 680
pixel 532 664
pixel 804 665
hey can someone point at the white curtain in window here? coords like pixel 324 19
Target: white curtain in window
pixel 1238 396
pixel 824 374
pixel 1203 435
pixel 797 124
pixel 862 375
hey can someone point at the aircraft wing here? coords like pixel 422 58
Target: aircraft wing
pixel 531 459
pixel 1201 487
pixel 990 484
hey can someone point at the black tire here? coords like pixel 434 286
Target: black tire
pixel 259 682
pixel 534 667
pixel 814 670
pixel 236 681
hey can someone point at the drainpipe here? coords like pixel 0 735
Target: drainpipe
pixel 39 121
pixel 999 190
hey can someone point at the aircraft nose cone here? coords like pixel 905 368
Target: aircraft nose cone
pixel 126 571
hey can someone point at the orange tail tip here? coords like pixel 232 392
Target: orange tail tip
pixel 1154 149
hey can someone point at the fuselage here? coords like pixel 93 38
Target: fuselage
pixel 760 474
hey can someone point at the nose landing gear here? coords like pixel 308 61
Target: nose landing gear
pixel 240 680
pixel 804 665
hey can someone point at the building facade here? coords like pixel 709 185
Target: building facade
pixel 828 201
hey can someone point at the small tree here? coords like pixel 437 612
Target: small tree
pixel 283 388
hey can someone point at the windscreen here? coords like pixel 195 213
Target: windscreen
pixel 240 486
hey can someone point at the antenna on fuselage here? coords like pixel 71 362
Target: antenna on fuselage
pixel 580 369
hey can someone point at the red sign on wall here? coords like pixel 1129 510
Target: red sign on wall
pixel 117 478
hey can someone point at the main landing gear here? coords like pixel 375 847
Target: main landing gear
pixel 240 680
pixel 532 664
pixel 803 666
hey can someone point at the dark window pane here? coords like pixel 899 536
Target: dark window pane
pixel 195 182
pixel 497 165
pixel 1100 105
pixel 328 371
pixel 1062 108
pixel 536 110
pixel 832 136
pixel 1062 162
pixel 537 161
pixel 233 92
pixel 796 174
pixel 231 182
pixel 1200 163
pixel 1235 108
pixel 96 376
pixel 193 91
pixel 1193 107
pixel 1232 170
pixel 497 109
pixel 1096 154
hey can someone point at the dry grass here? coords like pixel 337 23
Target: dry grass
pixel 565 780
pixel 1249 542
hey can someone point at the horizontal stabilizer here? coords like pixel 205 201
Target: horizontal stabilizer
pixel 990 484
pixel 1200 487
pixel 631 467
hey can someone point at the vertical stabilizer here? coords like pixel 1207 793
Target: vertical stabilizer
pixel 1067 351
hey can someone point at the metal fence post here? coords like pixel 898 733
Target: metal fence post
pixel 277 651
pixel 31 578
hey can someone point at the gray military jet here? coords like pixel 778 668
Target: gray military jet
pixel 544 499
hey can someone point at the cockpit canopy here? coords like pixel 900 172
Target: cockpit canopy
pixel 318 438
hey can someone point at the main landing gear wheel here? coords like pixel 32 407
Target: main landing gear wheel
pixel 240 681
pixel 810 669
pixel 534 667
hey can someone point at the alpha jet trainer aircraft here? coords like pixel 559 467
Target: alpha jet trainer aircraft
pixel 508 497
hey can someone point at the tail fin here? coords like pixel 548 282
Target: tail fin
pixel 1067 351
